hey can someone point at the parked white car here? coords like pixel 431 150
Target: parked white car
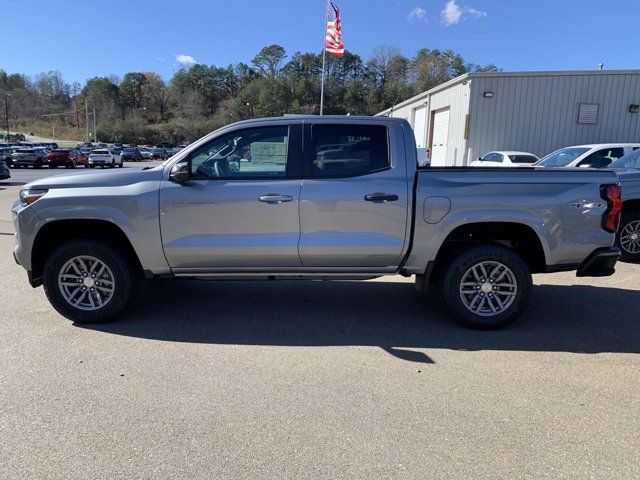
pixel 146 154
pixel 598 155
pixel 102 157
pixel 506 159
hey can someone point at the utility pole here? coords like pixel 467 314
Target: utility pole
pixel 86 118
pixel 95 133
pixel 6 113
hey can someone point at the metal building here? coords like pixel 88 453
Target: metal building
pixel 536 112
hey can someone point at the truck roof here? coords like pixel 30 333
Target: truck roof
pixel 325 118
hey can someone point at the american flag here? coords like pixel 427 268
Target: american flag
pixel 333 38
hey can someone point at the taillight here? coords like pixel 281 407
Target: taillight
pixel 613 195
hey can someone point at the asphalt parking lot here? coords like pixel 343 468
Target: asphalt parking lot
pixel 317 380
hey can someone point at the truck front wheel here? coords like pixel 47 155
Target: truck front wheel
pixel 486 287
pixel 87 281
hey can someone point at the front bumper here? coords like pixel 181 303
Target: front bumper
pixel 600 263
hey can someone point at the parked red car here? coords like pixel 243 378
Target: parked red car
pixel 65 157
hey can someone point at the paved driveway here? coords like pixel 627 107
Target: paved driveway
pixel 319 380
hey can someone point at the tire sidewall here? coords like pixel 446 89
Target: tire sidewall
pixel 125 282
pixel 465 260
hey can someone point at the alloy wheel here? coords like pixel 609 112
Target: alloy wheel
pixel 86 283
pixel 630 237
pixel 488 288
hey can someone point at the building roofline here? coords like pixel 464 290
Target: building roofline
pixel 541 73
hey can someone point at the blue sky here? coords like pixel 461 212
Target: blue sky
pixel 85 38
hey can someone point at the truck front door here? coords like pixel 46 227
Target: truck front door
pixel 239 209
pixel 355 196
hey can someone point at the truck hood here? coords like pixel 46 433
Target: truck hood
pixel 100 179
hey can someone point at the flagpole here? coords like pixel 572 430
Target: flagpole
pixel 324 54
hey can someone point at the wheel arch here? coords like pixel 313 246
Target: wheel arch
pixel 57 232
pixel 519 237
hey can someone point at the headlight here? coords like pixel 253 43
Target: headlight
pixel 27 197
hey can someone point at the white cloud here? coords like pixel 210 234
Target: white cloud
pixel 475 13
pixel 185 59
pixel 417 15
pixel 452 13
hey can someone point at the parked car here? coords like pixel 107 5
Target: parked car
pixel 28 157
pixel 285 214
pixel 146 154
pixel 102 157
pixel 595 156
pixel 6 155
pixel 131 154
pixel 506 159
pixel 629 161
pixel 86 151
pixel 4 171
pixel 61 157
pixel 157 152
pixel 628 236
pixel 81 158
pixel 116 152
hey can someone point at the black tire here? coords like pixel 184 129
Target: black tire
pixel 38 164
pixel 126 280
pixel 626 250
pixel 91 166
pixel 455 273
pixel 120 165
pixel 52 165
pixel 113 164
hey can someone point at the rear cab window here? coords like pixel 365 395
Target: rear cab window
pixel 345 150
pixel 523 159
pixel 602 158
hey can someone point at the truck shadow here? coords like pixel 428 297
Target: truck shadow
pixel 393 316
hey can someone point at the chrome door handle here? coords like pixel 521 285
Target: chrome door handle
pixel 381 197
pixel 275 198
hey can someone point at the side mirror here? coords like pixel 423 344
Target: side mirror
pixel 180 173
pixel 479 159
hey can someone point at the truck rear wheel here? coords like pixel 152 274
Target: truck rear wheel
pixel 87 281
pixel 486 287
pixel 628 237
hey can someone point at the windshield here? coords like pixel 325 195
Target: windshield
pixel 632 160
pixel 128 150
pixel 562 157
pixel 100 152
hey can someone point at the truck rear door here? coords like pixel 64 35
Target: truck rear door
pixel 355 196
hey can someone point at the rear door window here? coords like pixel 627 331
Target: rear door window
pixel 348 150
pixel 602 158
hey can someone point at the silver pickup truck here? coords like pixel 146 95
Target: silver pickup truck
pixel 324 198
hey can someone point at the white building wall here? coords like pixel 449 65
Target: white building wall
pixel 455 97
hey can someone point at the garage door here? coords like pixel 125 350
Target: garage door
pixel 420 126
pixel 439 138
